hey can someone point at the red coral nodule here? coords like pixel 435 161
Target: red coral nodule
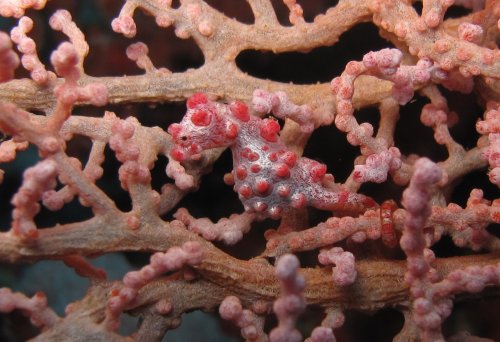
pixel 196 100
pixel 201 118
pixel 239 110
pixel 178 154
pixel 269 130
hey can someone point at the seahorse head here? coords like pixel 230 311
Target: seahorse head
pixel 205 125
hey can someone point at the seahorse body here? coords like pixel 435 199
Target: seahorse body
pixel 267 176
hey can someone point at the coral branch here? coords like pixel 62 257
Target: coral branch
pixel 37 180
pixel 191 254
pixel 35 308
pixel 16 8
pixel 27 47
pixel 61 21
pixel 252 328
pixel 279 104
pixel 344 272
pixel 291 303
pixel 229 230
pixel 232 84
pixel 8 59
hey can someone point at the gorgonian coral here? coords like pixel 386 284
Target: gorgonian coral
pixel 381 224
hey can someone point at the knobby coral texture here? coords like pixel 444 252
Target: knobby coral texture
pixel 304 170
